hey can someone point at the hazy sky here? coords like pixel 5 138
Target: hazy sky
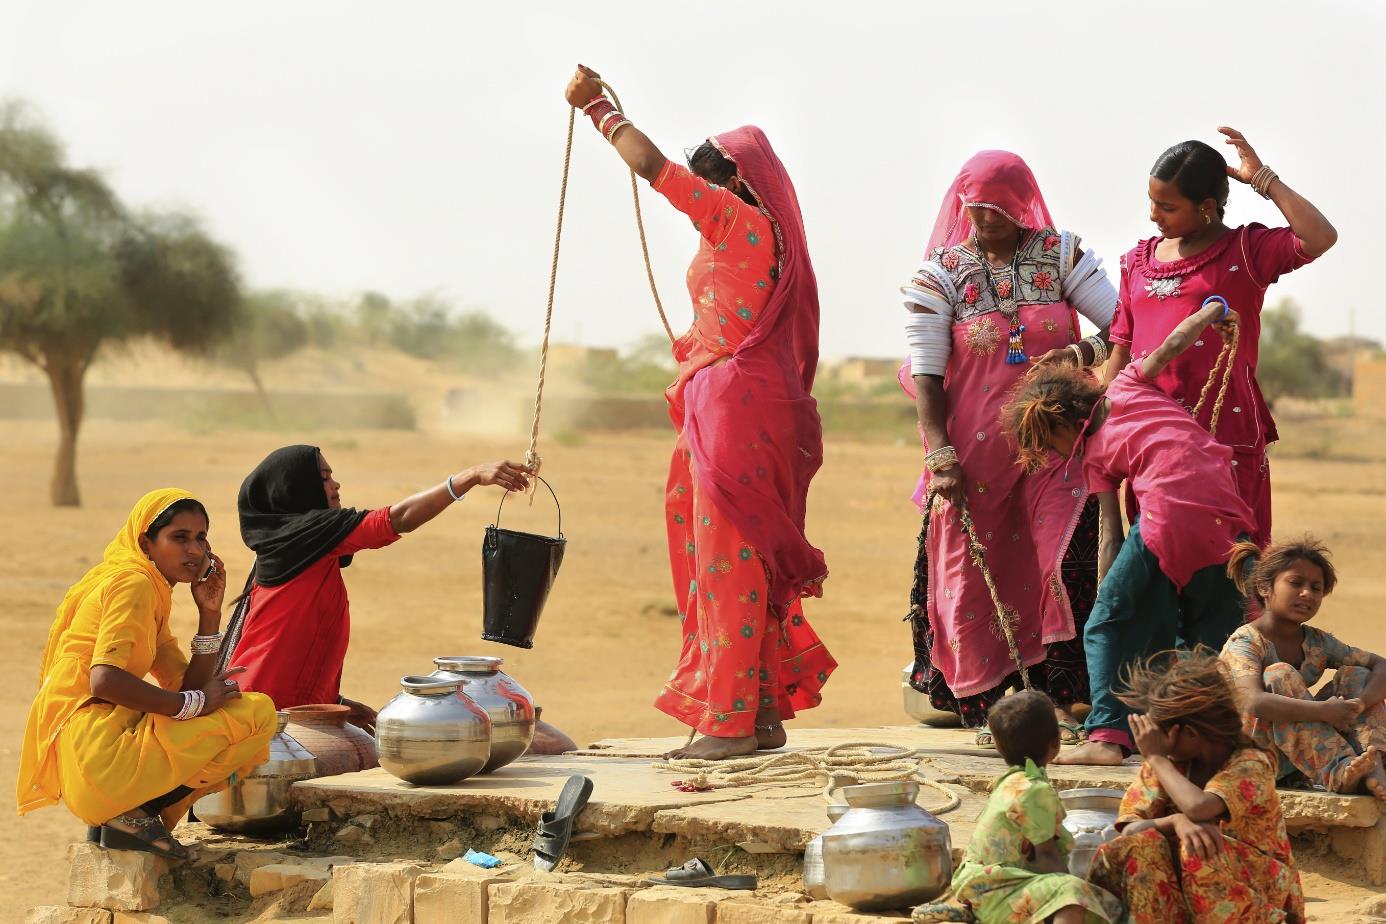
pixel 413 146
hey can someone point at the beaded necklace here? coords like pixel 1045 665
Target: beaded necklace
pixel 1005 300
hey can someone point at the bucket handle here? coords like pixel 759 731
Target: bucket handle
pixel 555 503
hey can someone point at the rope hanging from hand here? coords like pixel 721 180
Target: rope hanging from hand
pixel 532 457
pixel 1006 616
pixel 1230 335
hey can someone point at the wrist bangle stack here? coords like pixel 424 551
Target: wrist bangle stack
pixel 1262 181
pixel 1078 359
pixel 941 458
pixel 451 493
pixel 206 644
pixel 1100 351
pixel 193 701
pixel 592 103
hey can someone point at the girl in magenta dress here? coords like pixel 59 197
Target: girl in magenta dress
pixel 1165 279
pixel 1166 584
pixel 749 439
pixel 1001 287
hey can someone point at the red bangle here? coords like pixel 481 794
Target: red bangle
pixel 602 107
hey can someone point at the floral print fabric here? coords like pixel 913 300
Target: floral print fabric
pixel 1315 751
pixel 1022 811
pixel 1252 881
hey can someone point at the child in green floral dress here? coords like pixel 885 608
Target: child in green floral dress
pixel 1015 868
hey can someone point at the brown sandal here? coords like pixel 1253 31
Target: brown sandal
pixel 149 830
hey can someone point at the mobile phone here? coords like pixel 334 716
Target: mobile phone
pixel 211 569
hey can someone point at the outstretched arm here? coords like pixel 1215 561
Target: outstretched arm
pixel 1214 311
pixel 635 148
pixel 417 509
pixel 1306 221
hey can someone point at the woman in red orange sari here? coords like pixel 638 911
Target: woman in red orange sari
pixel 749 439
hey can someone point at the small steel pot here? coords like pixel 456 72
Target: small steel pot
pixel 431 733
pixel 1090 815
pixel 510 708
pixel 886 852
pixel 258 803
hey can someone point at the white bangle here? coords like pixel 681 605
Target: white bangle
pixel 206 644
pixel 451 493
pixel 193 701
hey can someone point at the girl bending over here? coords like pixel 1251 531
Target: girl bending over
pixel 1165 585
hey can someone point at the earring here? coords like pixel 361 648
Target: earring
pixel 1207 219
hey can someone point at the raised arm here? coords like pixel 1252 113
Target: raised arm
pixel 635 148
pixel 1305 220
pixel 1214 311
pixel 1194 802
pixel 1110 535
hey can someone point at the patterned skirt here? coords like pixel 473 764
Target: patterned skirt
pixel 1063 675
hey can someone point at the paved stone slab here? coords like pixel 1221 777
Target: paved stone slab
pixel 454 896
pixel 66 914
pixel 118 880
pixel 674 905
pixel 544 901
pixel 734 912
pixel 626 794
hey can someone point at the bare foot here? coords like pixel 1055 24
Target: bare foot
pixel 1376 783
pixel 710 748
pixel 1092 754
pixel 770 732
pixel 1355 772
pixel 1065 714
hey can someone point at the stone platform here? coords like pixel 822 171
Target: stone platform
pixel 381 850
pixel 632 799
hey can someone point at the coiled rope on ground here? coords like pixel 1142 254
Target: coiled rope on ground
pixel 828 767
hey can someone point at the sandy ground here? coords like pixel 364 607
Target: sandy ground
pixel 609 636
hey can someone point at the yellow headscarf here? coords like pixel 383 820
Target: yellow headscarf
pixel 54 705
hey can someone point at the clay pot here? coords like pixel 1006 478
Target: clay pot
pixel 338 746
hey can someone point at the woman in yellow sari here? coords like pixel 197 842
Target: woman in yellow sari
pixel 123 753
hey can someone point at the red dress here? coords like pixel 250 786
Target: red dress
pixel 737 655
pixel 296 633
pixel 1155 296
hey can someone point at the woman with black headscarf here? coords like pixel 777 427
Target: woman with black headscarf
pixel 291 626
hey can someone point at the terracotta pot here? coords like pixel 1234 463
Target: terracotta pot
pixel 338 746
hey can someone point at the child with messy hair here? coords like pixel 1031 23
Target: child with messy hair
pixel 1165 585
pixel 1015 869
pixel 1335 739
pixel 1203 838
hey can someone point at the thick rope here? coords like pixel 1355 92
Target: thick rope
pixel 639 224
pixel 829 767
pixel 1006 616
pixel 532 457
pixel 1227 355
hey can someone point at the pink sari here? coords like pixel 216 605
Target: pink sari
pixel 1024 520
pixel 750 421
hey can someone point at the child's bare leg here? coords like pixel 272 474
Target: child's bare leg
pixel 1070 914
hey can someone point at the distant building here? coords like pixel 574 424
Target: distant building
pixel 863 369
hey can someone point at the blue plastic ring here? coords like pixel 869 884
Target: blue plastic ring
pixel 1217 298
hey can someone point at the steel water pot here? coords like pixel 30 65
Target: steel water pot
pixel 432 733
pixel 509 707
pixel 1090 815
pixel 814 885
pixel 258 803
pixel 886 852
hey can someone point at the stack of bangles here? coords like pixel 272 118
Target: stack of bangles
pixel 1261 181
pixel 206 644
pixel 193 701
pixel 605 116
pixel 1099 351
pixel 941 458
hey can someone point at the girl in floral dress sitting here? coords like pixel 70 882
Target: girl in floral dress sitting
pixel 1203 839
pixel 1015 869
pixel 1332 740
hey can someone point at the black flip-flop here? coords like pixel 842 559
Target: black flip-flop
pixel 556 827
pixel 148 832
pixel 697 874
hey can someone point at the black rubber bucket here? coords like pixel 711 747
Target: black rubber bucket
pixel 518 571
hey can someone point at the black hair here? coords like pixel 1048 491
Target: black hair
pixel 708 162
pixel 1024 725
pixel 1197 170
pixel 171 511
